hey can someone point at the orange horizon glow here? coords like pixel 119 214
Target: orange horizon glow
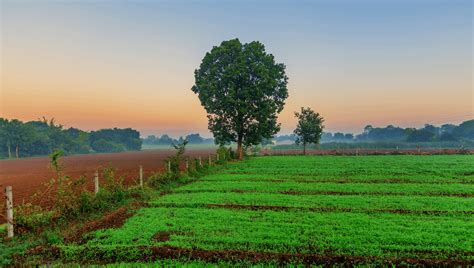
pixel 133 67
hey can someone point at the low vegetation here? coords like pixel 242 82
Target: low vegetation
pixel 66 208
pixel 300 210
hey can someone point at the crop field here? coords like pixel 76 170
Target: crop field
pixel 303 210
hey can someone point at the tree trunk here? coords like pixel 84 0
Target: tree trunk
pixel 9 150
pixel 304 148
pixel 240 153
pixel 16 151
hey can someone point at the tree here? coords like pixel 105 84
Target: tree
pixel 17 134
pixel 339 136
pixel 194 138
pixel 242 89
pixel 421 135
pixel 126 139
pixel 310 127
pixel 349 136
pixel 465 130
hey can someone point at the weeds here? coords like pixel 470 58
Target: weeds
pixel 66 201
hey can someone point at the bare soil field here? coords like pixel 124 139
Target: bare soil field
pixel 27 176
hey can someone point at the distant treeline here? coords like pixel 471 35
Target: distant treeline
pixel 447 133
pixel 167 140
pixel 41 137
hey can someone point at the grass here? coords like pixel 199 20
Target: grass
pixel 300 210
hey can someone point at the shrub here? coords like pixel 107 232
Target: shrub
pixel 174 161
pixel 158 180
pixel 29 217
pixel 224 154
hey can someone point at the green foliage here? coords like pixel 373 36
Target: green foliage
pixel 115 140
pixel 42 137
pixel 54 159
pixel 29 217
pixel 421 136
pixel 102 146
pixel 9 249
pixel 52 237
pixel 225 154
pixel 388 207
pixel 159 180
pixel 173 162
pixel 242 89
pixel 310 127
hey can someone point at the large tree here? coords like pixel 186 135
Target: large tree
pixel 242 89
pixel 310 127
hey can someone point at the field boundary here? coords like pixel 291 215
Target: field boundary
pixel 314 209
pixel 153 253
pixel 292 192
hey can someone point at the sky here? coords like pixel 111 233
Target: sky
pixel 100 64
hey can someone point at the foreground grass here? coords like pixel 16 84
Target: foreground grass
pixel 302 210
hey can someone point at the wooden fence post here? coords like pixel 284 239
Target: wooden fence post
pixel 9 200
pixel 217 157
pixel 200 161
pixel 169 166
pixel 96 182
pixel 210 160
pixel 187 165
pixel 141 176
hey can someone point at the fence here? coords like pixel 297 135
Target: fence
pixel 96 181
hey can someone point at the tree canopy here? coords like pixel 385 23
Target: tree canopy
pixel 310 127
pixel 242 89
pixel 42 137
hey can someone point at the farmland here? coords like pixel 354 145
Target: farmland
pixel 27 175
pixel 302 209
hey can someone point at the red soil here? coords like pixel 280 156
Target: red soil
pixel 28 175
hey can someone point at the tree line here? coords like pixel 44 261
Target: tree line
pixel 42 137
pixel 390 133
pixel 165 139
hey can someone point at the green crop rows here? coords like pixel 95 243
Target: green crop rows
pixel 369 208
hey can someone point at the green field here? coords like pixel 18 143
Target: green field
pixel 308 210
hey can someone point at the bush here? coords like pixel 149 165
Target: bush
pixel 225 154
pixel 29 217
pixel 158 180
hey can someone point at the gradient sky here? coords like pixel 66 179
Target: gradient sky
pixel 98 64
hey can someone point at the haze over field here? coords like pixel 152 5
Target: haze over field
pixel 98 64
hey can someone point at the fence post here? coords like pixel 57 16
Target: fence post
pixel 141 176
pixel 9 200
pixel 169 166
pixel 217 157
pixel 96 182
pixel 200 161
pixel 357 151
pixel 210 160
pixel 187 165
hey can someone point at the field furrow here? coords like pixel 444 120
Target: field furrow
pixel 306 210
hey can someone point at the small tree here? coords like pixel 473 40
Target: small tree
pixel 175 160
pixel 310 127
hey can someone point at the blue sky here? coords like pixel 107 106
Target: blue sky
pixel 96 64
